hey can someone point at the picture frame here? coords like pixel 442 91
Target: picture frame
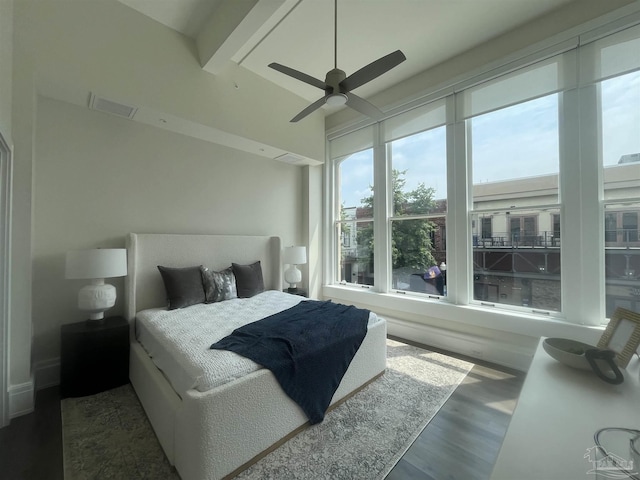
pixel 622 335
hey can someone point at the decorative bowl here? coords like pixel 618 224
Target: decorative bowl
pixel 569 352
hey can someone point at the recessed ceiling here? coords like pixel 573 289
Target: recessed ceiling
pixel 300 33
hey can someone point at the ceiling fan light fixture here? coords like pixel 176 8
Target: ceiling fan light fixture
pixel 336 99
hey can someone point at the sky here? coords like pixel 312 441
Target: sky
pixel 514 142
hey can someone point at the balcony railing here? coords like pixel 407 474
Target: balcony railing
pixel 516 240
pixel 618 237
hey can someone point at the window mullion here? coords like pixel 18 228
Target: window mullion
pixel 382 243
pixel 459 259
pixel 330 263
pixel 581 215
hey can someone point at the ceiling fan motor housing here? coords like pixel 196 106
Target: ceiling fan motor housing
pixel 333 79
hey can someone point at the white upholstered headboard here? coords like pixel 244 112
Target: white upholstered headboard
pixel 143 283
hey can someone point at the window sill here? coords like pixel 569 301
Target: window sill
pixel 426 310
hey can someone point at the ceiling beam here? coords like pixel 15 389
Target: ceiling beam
pixel 232 26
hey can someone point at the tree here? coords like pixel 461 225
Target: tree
pixel 411 248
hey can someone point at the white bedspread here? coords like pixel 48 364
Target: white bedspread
pixel 178 341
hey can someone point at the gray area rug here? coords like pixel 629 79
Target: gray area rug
pixel 108 436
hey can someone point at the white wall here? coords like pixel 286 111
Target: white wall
pixel 98 177
pixel 20 326
pixel 66 193
pixel 6 67
pixel 6 82
pixel 108 48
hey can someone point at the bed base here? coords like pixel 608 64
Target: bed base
pixel 217 434
pixel 289 436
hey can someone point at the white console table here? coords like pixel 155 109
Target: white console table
pixel 558 412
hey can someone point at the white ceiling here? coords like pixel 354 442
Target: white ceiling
pixel 300 33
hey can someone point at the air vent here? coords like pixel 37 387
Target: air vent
pixel 109 106
pixel 291 158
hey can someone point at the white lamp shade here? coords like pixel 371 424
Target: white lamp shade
pixel 96 263
pixel 295 255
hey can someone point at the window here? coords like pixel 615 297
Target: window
pixel 620 112
pixel 506 143
pixel 414 200
pixel 515 165
pixel 523 230
pixel 355 225
pixel 487 232
pixel 419 205
pixel 352 209
pixel 346 237
pixel 611 228
pixel 556 230
pixel 630 227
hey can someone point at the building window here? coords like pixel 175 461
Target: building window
pixel 630 227
pixel 487 231
pixel 556 230
pixel 611 228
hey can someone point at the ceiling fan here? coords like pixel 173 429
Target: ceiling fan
pixel 338 87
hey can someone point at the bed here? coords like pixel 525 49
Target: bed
pixel 217 433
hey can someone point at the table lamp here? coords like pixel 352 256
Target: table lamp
pixel 294 256
pixel 96 265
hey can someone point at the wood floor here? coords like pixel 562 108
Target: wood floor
pixel 461 442
pixel 31 446
pixel 464 438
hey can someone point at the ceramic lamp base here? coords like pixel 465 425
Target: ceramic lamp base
pixel 96 298
pixel 292 276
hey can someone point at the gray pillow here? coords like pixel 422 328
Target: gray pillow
pixel 183 286
pixel 248 279
pixel 219 286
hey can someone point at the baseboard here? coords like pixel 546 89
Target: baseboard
pixel 47 373
pixel 21 399
pixel 500 353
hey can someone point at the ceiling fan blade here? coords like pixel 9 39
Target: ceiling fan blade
pixel 303 77
pixel 364 107
pixel 311 108
pixel 373 70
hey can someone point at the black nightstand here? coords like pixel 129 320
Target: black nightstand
pixel 94 356
pixel 296 291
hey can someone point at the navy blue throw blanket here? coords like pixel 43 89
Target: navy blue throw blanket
pixel 308 348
